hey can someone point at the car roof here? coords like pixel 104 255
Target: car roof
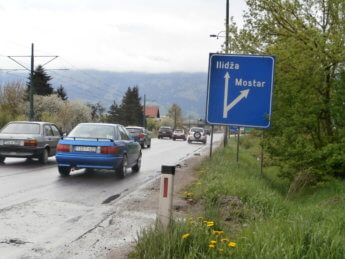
pixel 37 122
pixel 100 123
pixel 134 127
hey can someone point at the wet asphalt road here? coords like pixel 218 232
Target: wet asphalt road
pixel 38 207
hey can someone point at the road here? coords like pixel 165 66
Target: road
pixel 41 211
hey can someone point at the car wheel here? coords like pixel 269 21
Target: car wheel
pixel 2 159
pixel 44 157
pixel 142 145
pixel 149 145
pixel 64 170
pixel 174 139
pixel 189 141
pixel 136 167
pixel 122 169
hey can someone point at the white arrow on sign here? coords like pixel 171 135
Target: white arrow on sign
pixel 227 107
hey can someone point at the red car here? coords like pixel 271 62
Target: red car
pixel 179 134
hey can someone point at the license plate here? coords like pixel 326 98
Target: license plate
pixel 11 142
pixel 85 149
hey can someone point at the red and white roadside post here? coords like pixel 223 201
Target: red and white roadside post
pixel 166 195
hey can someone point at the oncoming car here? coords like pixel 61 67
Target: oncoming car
pixel 178 134
pixel 197 135
pixel 98 146
pixel 29 139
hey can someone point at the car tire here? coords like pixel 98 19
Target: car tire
pixel 142 145
pixel 122 169
pixel 189 141
pixel 2 159
pixel 136 167
pixel 197 135
pixel 174 139
pixel 149 145
pixel 184 139
pixel 44 157
pixel 64 170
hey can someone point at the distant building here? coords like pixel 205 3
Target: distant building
pixel 152 112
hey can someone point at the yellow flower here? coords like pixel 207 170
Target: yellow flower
pixel 191 218
pixel 224 240
pixel 221 250
pixel 211 246
pixel 210 223
pixel 205 221
pixel 198 183
pixel 185 236
pixel 213 242
pixel 232 244
pixel 199 217
pixel 217 232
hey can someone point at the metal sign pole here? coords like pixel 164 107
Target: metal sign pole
pixel 262 154
pixel 212 127
pixel 238 143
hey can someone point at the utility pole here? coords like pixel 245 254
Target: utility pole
pixel 32 85
pixel 226 51
pixel 32 73
pixel 144 114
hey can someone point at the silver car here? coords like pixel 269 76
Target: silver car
pixel 197 134
pixel 29 139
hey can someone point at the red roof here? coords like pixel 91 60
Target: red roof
pixel 152 111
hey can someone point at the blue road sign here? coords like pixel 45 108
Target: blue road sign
pixel 239 90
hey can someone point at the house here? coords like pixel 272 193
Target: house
pixel 152 112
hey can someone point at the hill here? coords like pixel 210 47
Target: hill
pixel 188 90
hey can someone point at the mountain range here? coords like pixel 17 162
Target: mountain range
pixel 188 90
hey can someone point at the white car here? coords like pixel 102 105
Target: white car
pixel 197 135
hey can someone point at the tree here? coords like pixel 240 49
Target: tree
pixel 114 112
pixel 41 82
pixel 97 111
pixel 61 93
pixel 131 110
pixel 307 38
pixel 175 113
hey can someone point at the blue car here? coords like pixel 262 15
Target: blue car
pixel 98 146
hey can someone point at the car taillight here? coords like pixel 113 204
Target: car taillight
pixel 30 143
pixel 141 135
pixel 110 150
pixel 63 148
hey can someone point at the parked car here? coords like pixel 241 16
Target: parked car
pixel 98 146
pixel 179 134
pixel 140 135
pixel 197 134
pixel 165 132
pixel 29 139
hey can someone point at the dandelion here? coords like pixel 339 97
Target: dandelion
pixel 191 218
pixel 232 244
pixel 185 236
pixel 210 224
pixel 225 240
pixel 213 242
pixel 198 183
pixel 211 246
pixel 199 217
pixel 205 221
pixel 221 250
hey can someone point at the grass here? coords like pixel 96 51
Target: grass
pixel 253 211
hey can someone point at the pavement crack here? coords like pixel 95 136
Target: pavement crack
pixel 14 241
pixel 111 198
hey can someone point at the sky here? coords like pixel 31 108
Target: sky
pixel 152 36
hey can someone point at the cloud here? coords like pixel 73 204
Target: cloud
pixel 147 36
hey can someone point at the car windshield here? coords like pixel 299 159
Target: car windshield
pixel 92 131
pixel 197 130
pixel 178 131
pixel 165 128
pixel 21 128
pixel 134 131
